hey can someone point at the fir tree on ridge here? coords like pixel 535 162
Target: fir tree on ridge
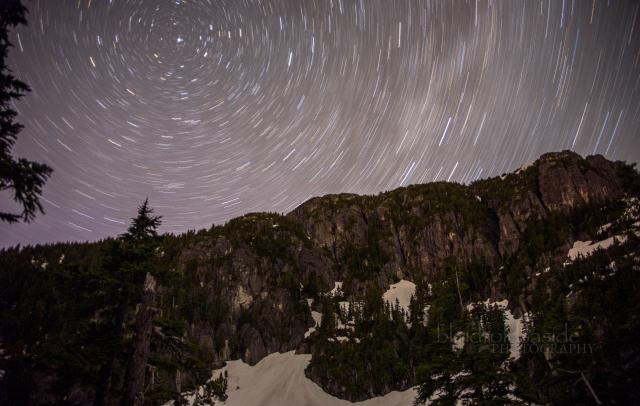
pixel 144 225
pixel 139 243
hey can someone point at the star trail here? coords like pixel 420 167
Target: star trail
pixel 214 109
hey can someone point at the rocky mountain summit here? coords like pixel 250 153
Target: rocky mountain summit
pixel 313 281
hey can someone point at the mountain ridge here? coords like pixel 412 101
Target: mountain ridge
pixel 248 288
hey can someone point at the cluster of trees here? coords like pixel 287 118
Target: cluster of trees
pixel 368 347
pixel 580 343
pixel 94 317
pixel 361 349
pixel 104 321
pixel 577 343
pixel 476 370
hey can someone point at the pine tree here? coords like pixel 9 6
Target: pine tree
pixel 140 244
pixel 25 178
pixel 144 225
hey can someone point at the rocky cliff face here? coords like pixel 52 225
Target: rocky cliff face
pixel 400 234
pixel 241 290
pixel 414 229
pixel 555 182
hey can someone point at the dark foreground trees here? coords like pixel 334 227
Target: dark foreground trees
pixel 132 269
pixel 22 178
pixel 139 242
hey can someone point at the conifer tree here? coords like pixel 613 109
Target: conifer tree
pixel 144 226
pixel 25 179
pixel 140 245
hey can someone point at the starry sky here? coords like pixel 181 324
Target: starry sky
pixel 217 108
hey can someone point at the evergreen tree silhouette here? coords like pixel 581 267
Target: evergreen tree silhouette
pixel 144 225
pixel 131 262
pixel 140 244
pixel 23 177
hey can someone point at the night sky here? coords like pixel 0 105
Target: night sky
pixel 214 109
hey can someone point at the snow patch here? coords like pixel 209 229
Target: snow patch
pixel 278 379
pixel 317 318
pixel 586 248
pixel 402 291
pixel 605 227
pixel 337 289
pixel 516 332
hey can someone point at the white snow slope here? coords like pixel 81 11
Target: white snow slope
pixel 278 379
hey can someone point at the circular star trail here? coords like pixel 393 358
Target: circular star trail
pixel 213 109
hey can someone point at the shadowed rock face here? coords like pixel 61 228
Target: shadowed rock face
pixel 572 181
pixel 411 231
pixel 245 284
pixel 555 182
pixel 418 227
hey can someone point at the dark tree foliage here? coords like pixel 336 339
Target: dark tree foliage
pixel 69 312
pixel 25 179
pixel 139 244
pixel 477 373
pixel 144 225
